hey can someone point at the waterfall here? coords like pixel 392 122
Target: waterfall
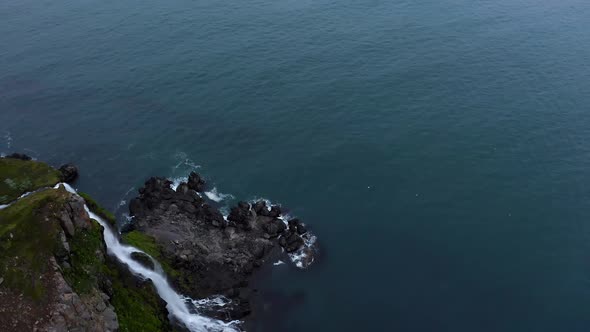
pixel 176 304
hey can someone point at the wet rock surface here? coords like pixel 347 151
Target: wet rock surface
pixel 212 255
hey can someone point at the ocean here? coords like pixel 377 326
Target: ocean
pixel 439 150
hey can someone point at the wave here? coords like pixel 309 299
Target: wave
pixel 216 196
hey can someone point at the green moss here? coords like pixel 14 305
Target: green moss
pixel 94 207
pixel 20 176
pixel 86 261
pixel 148 245
pixel 138 307
pixel 27 239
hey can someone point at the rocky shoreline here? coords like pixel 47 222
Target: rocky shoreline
pixel 211 254
pixel 204 254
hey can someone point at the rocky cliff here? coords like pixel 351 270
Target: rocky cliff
pixel 54 271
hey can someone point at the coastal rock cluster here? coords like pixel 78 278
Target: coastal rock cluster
pixel 55 274
pixel 211 254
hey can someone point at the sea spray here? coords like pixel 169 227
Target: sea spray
pixel 216 196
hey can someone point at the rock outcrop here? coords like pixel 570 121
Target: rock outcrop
pixel 69 173
pixel 72 312
pixel 208 254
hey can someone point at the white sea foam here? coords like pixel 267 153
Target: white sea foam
pixel 218 301
pixel 304 257
pixel 279 262
pixel 177 181
pixel 216 196
pixel 184 160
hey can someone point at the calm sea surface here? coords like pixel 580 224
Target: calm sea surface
pixel 439 149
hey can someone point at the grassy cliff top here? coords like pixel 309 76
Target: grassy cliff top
pixel 28 239
pixel 20 176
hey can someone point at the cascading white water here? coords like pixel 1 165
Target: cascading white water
pixel 176 303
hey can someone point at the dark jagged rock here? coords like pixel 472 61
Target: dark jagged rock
pixel 242 215
pixel 69 173
pixel 296 226
pixel 182 188
pixel 275 211
pixel 210 215
pixel 291 241
pixel 207 254
pixel 195 182
pixel 274 227
pixel 259 207
pixel 157 193
pixel 20 156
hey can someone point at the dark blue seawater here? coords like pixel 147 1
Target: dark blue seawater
pixel 439 149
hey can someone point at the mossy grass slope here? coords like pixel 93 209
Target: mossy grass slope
pixel 20 176
pixel 96 208
pixel 28 237
pixel 86 258
pixel 137 305
pixel 149 246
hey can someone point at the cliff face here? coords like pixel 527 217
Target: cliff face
pixel 54 271
pixel 51 256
